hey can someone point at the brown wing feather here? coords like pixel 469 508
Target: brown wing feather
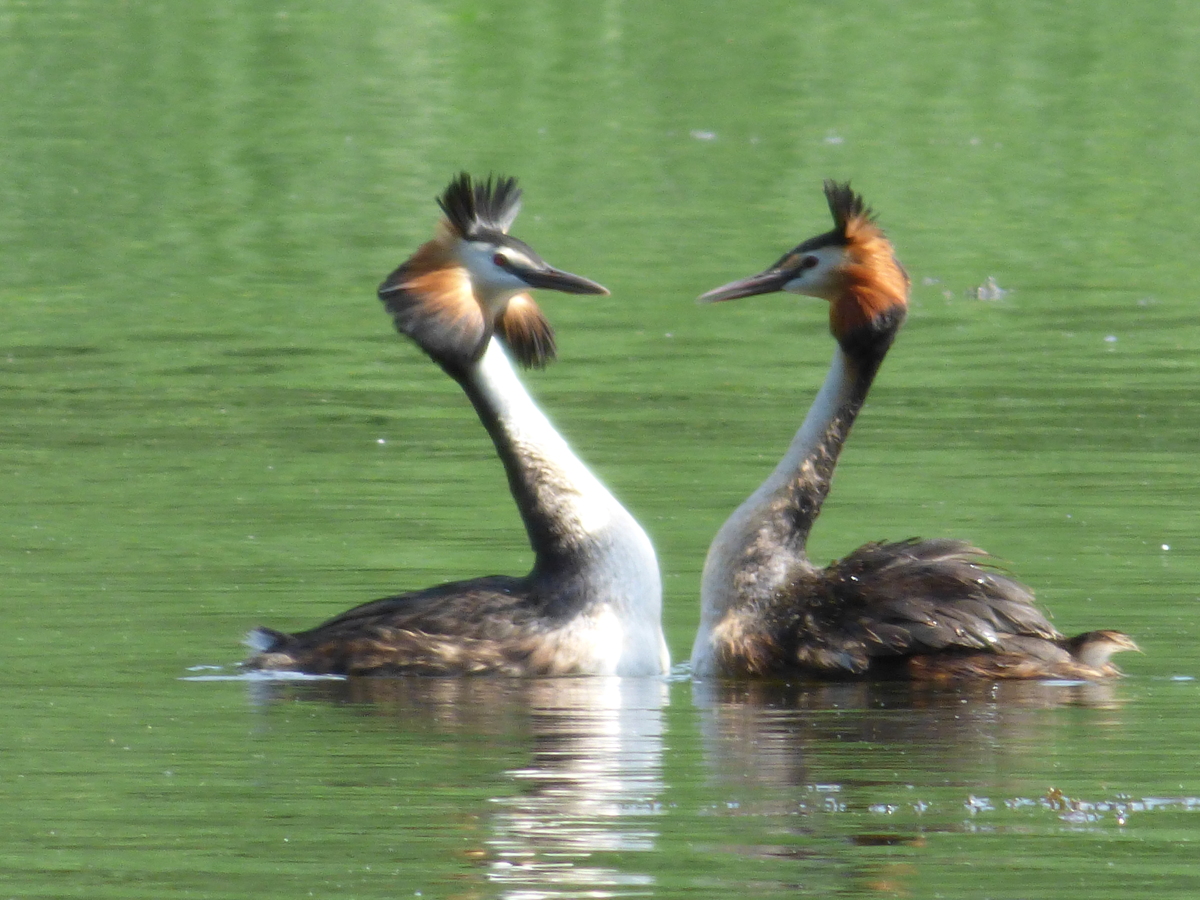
pixel 892 600
pixel 483 625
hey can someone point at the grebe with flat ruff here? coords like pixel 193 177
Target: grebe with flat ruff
pixel 592 605
pixel 922 609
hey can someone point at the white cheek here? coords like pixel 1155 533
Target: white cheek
pixel 809 284
pixel 488 278
pixel 819 280
pixel 797 285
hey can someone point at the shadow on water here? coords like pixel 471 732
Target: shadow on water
pixel 593 779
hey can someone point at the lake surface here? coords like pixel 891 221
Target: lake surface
pixel 209 424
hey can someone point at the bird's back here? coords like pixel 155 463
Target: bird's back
pixel 881 605
pixel 495 624
pixel 478 625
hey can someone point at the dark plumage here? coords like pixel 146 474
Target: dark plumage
pixel 495 624
pixel 940 603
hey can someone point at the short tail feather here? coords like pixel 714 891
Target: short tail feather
pixel 266 640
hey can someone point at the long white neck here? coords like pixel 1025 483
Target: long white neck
pixel 811 441
pixel 760 545
pixel 582 538
pixel 562 502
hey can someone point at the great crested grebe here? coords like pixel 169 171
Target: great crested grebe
pixel 592 605
pixel 931 609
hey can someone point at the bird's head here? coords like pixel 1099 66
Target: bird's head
pixel 1094 648
pixel 852 266
pixel 472 280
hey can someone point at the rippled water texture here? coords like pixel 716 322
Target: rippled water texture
pixel 208 423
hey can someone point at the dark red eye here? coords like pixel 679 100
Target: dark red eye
pixel 808 262
pixel 501 260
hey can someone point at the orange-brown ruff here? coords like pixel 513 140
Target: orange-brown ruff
pixel 873 283
pixel 592 603
pixel 920 609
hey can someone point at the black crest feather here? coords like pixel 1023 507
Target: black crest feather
pixel 845 205
pixel 473 207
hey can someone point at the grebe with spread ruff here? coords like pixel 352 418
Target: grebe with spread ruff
pixel 592 605
pixel 921 609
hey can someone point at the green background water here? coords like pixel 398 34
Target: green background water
pixel 209 424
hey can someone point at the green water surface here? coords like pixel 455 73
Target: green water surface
pixel 208 424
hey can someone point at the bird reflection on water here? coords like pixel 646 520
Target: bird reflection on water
pixel 833 785
pixel 591 785
pixel 784 734
pixel 821 772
